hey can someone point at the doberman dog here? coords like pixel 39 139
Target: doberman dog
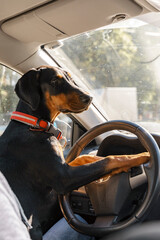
pixel 31 157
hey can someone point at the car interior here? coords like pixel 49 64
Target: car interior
pixel 112 48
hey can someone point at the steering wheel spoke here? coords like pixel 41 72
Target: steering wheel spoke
pixel 138 179
pixel 105 221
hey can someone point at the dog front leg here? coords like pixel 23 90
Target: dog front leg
pixel 116 161
pixel 95 168
pixel 85 159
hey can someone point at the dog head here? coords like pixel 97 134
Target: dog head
pixel 55 87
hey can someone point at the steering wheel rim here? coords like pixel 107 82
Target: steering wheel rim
pixel 152 170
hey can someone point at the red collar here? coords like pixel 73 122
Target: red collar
pixel 37 124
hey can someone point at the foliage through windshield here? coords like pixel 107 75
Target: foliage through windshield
pixel 120 66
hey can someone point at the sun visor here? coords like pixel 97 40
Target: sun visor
pixel 30 28
pixel 63 18
pixel 74 16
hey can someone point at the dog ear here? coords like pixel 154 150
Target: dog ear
pixel 27 88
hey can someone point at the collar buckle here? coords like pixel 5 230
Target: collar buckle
pixel 42 124
pixel 55 131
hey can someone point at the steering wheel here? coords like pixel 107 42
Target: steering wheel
pixel 152 170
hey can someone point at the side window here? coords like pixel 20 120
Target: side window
pixel 64 123
pixel 8 98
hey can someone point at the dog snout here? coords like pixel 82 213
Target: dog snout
pixel 86 99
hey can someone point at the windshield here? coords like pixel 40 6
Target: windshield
pixel 120 65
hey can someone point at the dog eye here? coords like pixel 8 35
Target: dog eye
pixel 55 81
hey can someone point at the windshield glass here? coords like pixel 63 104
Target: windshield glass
pixel 119 64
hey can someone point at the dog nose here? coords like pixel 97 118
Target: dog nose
pixel 86 99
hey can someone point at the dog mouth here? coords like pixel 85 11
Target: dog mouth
pixel 75 109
